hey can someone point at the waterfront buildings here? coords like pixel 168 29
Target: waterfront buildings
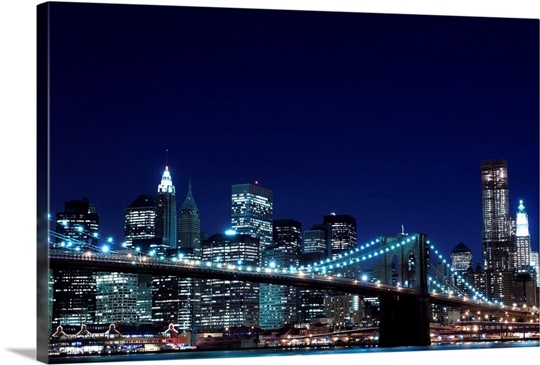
pixel 344 310
pixel 74 297
pixel 116 297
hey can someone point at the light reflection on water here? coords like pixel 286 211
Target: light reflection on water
pixel 222 354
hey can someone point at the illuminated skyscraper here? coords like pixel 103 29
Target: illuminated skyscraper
pixel 140 220
pixel 461 258
pixel 251 212
pixel 278 302
pixel 523 239
pixel 230 303
pixel 497 248
pixel 317 246
pixel 166 301
pixel 166 216
pixel 343 231
pixel 140 231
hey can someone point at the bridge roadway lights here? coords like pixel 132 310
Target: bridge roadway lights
pixel 404 320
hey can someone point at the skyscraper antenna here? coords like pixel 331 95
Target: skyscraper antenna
pixel 167 157
pixel 402 229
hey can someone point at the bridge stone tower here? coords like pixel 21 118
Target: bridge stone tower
pixel 404 319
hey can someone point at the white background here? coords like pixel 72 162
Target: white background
pixel 18 171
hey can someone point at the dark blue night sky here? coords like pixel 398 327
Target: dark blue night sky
pixel 384 117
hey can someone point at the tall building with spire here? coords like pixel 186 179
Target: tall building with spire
pixel 189 225
pixel 189 245
pixel 523 239
pixel 166 301
pixel 166 216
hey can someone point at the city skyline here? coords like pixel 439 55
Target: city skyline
pixel 338 129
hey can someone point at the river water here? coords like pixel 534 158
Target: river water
pixel 287 355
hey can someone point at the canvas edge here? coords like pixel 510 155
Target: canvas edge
pixel 42 198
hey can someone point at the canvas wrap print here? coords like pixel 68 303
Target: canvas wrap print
pixel 267 180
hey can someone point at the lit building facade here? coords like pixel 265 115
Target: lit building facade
pixel 251 212
pixel 166 302
pixel 343 232
pixel 523 239
pixel 318 240
pixel 140 220
pixel 344 310
pixel 317 246
pixel 74 291
pixel 310 304
pixel 477 279
pixel 116 297
pixel 278 302
pixel 498 245
pixel 461 259
pixel 77 226
pixel 140 232
pixel 497 248
pixel 535 264
pixel 229 303
pixel 166 215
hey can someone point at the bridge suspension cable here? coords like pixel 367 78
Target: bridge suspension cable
pixel 362 254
